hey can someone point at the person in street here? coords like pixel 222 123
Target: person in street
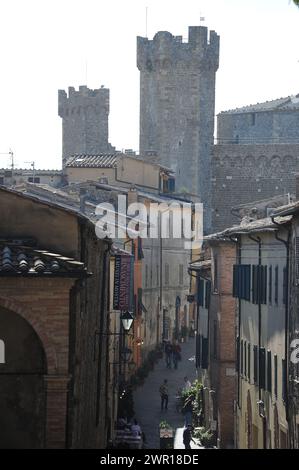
pixel 168 354
pixel 188 410
pixel 164 395
pixel 176 354
pixel 187 437
pixel 187 384
pixel 136 429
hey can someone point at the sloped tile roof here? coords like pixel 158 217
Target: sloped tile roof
pixel 288 103
pixel 93 161
pixel 16 260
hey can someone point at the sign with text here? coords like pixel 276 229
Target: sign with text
pixel 123 282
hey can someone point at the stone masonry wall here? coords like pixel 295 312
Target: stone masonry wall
pixel 177 100
pixel 246 173
pixel 84 116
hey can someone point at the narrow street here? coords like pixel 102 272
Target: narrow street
pixel 147 398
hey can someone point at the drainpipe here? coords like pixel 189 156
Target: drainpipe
pixel 286 341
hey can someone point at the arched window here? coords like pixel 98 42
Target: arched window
pixel 2 352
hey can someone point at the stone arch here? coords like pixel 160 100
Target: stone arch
pixel 275 163
pixel 288 162
pixel 38 327
pixel 262 165
pixel 249 422
pixel 249 161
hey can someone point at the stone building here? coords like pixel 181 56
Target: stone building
pixel 53 325
pixel 272 122
pixel 84 116
pixel 177 101
pixel 256 156
pixel 215 336
pixel 243 174
pixel 13 177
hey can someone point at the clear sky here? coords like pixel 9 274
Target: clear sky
pixel 46 44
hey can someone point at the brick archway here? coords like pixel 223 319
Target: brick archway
pixel 38 327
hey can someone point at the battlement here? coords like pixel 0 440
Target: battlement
pixel 84 97
pixel 165 49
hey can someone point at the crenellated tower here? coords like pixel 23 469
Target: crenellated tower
pixel 177 105
pixel 84 116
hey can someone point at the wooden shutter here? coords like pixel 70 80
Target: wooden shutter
pixel 249 361
pixel 269 371
pixel 205 353
pixel 255 364
pixel 275 376
pixel 262 368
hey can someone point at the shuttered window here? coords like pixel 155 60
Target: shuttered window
pixel 259 284
pixel 242 281
pixel 241 357
pixel 208 294
pixel 200 291
pixel 270 286
pixel 255 364
pixel 276 285
pixel 238 355
pixel 275 376
pixel 269 371
pixel 262 368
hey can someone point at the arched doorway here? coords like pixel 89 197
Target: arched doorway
pixel 249 423
pixel 22 394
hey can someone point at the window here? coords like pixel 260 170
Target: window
pixel 241 357
pixel 275 376
pixel 1 180
pixel 270 286
pixel 276 286
pixel 208 294
pixel 259 284
pixel 200 291
pixel 181 274
pixel 215 274
pixel 269 371
pixel 262 368
pixel 166 274
pixel 36 179
pixel 252 119
pixel 242 281
pixel 255 364
pixel 146 275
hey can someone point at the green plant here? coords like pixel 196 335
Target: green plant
pixel 164 425
pixel 204 435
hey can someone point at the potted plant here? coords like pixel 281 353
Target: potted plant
pixel 206 437
pixel 166 435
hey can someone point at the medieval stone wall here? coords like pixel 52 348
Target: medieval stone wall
pixel 245 173
pixel 177 101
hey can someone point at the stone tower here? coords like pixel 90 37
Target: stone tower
pixel 177 105
pixel 84 116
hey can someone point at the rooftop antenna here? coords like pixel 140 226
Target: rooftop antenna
pixel 86 72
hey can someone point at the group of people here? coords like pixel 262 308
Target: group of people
pixel 172 354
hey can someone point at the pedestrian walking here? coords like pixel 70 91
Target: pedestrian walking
pixel 187 437
pixel 187 383
pixel 176 354
pixel 164 395
pixel 188 410
pixel 168 354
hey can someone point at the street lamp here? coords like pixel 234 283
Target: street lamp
pixel 126 320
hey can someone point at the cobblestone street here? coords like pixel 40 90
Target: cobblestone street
pixel 147 398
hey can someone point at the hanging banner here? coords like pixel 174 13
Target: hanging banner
pixel 123 282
